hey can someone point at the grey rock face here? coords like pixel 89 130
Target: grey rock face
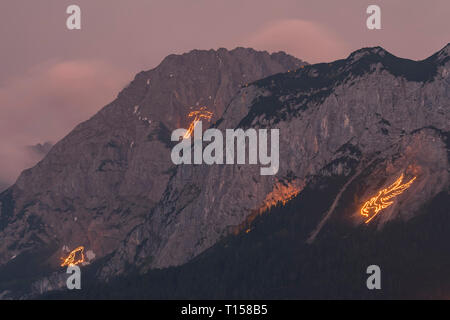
pixel 389 115
pixel 101 180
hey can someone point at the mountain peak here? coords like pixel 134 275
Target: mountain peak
pixel 368 51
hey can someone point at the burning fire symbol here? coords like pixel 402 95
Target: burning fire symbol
pixel 202 113
pixel 382 200
pixel 75 257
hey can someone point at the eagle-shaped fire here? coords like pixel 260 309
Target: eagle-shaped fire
pixel 382 200
pixel 199 114
pixel 75 257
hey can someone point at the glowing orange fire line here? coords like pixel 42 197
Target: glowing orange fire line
pixel 381 200
pixel 70 260
pixel 202 113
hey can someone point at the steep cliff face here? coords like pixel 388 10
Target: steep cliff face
pixel 99 182
pixel 369 118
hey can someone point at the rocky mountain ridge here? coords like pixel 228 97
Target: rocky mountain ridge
pixel 370 111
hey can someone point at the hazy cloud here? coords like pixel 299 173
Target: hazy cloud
pixel 46 103
pixel 306 40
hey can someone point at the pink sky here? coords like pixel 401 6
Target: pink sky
pixel 52 78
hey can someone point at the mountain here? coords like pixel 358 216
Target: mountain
pixel 101 180
pixel 369 131
pixel 372 115
pixel 352 131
